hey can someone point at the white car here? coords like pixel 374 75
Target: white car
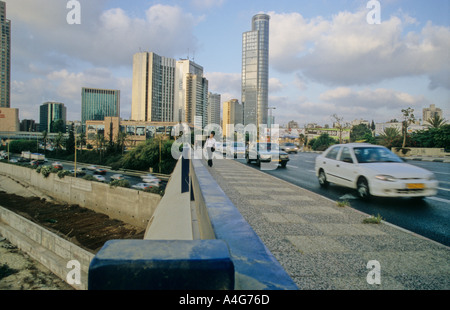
pixel 373 171
pixel 149 178
pixel 117 177
pixel 99 178
pixel 143 186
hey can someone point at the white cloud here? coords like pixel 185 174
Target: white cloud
pixel 348 51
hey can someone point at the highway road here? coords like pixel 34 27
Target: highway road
pixel 133 178
pixel 429 218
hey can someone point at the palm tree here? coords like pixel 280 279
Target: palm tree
pixel 121 139
pixel 436 122
pixel 389 135
pixel 59 141
pixel 44 140
pixel 82 140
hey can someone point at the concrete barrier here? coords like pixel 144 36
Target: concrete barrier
pixel 162 265
pixel 46 247
pixel 125 204
pixel 416 151
pixel 256 268
pixel 227 253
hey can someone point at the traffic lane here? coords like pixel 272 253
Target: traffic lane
pixel 429 217
pixel 109 173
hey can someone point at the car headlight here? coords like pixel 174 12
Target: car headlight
pixel 265 156
pixel 432 177
pixel 284 157
pixel 387 178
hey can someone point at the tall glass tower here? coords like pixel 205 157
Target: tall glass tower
pixel 255 71
pixel 5 57
pixel 96 104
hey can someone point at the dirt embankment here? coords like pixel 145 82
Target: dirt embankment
pixel 81 226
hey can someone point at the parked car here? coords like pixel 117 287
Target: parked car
pixel 57 165
pixel 143 186
pixel 99 178
pixel 92 168
pixel 373 171
pixel 100 171
pixel 266 152
pixel 289 148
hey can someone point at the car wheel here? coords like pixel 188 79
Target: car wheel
pixel 283 164
pixel 363 189
pixel 248 159
pixel 323 179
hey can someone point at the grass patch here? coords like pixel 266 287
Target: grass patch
pixel 344 203
pixel 373 220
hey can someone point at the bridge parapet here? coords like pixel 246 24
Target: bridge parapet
pixel 224 253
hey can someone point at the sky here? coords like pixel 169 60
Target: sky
pixel 325 57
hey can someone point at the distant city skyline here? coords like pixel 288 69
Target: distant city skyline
pixel 324 56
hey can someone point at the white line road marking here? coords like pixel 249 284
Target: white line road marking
pixel 439 199
pixel 444 189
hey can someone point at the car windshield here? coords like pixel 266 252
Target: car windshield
pixel 375 155
pixel 289 144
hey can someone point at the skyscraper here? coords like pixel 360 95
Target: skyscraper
pixel 153 88
pixel 213 109
pixel 196 100
pixel 96 104
pixel 5 58
pixel 255 71
pixel 49 115
pixel 185 71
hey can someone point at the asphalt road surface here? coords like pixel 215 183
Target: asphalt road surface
pixel 429 218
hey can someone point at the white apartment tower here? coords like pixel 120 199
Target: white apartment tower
pixel 153 95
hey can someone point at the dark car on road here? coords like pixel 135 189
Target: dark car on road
pixel 266 153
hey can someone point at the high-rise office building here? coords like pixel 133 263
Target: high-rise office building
pixel 153 88
pixel 255 71
pixel 196 100
pixel 185 70
pixel 96 104
pixel 232 115
pixel 49 115
pixel 213 109
pixel 5 58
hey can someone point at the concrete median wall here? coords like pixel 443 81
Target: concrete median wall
pixel 44 246
pixel 128 205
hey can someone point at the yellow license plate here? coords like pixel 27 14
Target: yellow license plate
pixel 415 186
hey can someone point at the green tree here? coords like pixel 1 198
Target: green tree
pixel 436 122
pixel 70 142
pixel 390 137
pixel 359 132
pixel 408 119
pixel 58 126
pixel 44 140
pixel 323 142
pixel 59 141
